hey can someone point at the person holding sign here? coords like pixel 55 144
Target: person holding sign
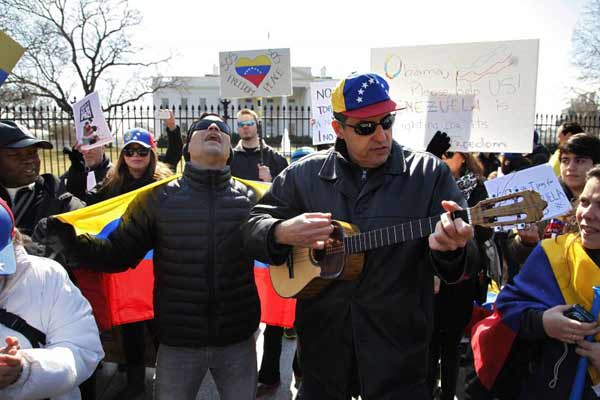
pixel 254 160
pixel 368 336
pixel 577 156
pixel 538 311
pixel 205 300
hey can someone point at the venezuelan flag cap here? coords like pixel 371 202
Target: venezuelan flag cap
pixel 139 136
pixel 8 263
pixel 362 96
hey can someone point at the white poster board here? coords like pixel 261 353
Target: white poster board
pixel 255 73
pixel 540 178
pixel 322 112
pixel 481 94
pixel 91 128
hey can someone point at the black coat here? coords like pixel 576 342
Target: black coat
pixel 244 163
pixel 204 291
pixel 384 318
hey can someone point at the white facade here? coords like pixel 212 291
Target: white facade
pixel 201 91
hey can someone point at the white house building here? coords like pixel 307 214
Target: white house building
pixel 203 91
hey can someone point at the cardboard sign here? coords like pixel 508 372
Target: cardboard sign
pixel 256 73
pixel 540 178
pixel 481 94
pixel 11 52
pixel 91 128
pixel 322 112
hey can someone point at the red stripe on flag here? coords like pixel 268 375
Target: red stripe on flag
pixel 274 310
pixel 491 342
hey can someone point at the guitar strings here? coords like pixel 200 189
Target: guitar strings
pixel 339 249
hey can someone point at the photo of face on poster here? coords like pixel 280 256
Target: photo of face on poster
pixel 91 128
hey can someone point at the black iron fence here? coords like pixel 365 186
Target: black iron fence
pixel 57 126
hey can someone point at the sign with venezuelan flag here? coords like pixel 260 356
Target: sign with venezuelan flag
pixel 125 297
pixel 255 73
pixel 10 53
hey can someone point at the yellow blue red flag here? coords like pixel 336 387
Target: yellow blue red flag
pixel 10 53
pixel 125 297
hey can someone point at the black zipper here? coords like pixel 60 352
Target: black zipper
pixel 211 258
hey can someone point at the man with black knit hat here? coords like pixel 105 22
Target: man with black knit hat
pixel 205 299
pixel 367 336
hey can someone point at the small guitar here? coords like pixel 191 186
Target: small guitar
pixel 308 271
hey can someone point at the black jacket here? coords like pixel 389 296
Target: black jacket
pixel 245 163
pixel 174 148
pixel 204 291
pixel 30 207
pixel 385 317
pixel 75 179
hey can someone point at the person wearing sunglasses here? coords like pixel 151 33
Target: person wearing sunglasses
pixel 137 166
pixel 205 299
pixel 368 336
pixel 253 158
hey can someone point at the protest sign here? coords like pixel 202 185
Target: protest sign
pixel 90 126
pixel 255 73
pixel 11 52
pixel 321 112
pixel 481 94
pixel 540 178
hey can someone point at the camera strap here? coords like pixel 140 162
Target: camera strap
pixel 14 322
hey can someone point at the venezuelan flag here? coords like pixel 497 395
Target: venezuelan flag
pixel 558 271
pixel 10 52
pixel 125 297
pixel 253 70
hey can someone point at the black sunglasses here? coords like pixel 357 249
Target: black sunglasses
pixel 365 128
pixel 204 124
pixel 140 151
pixel 449 154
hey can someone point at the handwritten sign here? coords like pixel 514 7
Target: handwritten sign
pixel 91 128
pixel 322 113
pixel 481 94
pixel 11 53
pixel 256 73
pixel 540 178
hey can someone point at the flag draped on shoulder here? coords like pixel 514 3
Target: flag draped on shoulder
pixel 558 271
pixel 125 297
pixel 116 298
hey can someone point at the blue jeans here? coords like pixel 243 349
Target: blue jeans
pixel 180 371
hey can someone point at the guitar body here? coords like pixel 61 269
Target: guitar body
pixel 313 270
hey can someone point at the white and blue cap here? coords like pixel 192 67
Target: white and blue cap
pixel 8 263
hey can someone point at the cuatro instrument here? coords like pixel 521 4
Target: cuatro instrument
pixel 308 271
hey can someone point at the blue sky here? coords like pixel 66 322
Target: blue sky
pixel 339 34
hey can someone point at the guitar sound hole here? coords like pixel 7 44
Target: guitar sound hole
pixel 317 256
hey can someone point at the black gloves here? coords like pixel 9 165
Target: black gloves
pixel 75 156
pixel 60 236
pixel 439 144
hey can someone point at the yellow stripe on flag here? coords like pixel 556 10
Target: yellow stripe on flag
pixel 10 52
pixel 94 218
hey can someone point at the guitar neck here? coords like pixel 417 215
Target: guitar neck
pixel 397 233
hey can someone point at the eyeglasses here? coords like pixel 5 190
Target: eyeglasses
pixel 365 128
pixel 241 124
pixel 204 124
pixel 140 151
pixel 449 154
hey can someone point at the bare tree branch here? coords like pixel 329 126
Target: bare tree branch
pixel 78 46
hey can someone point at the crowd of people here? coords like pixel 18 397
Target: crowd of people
pixel 395 331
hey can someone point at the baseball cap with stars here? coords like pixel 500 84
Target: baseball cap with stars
pixel 362 96
pixel 139 136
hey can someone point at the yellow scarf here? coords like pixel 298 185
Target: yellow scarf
pixel 576 274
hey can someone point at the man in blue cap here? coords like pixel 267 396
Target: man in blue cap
pixel 49 336
pixel 367 336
